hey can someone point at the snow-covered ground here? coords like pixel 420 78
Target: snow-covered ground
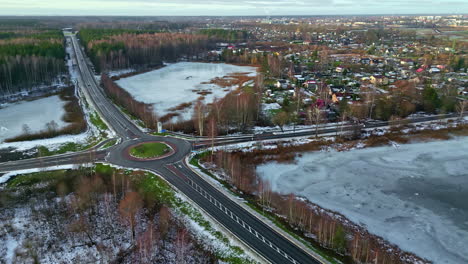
pixel 172 85
pixel 35 114
pixel 412 195
pixel 120 72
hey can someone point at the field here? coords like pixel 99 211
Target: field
pixel 411 195
pixel 174 88
pixel 35 114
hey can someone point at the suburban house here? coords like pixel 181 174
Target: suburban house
pixel 408 62
pixel 282 84
pixel 379 79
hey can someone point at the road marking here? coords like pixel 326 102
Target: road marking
pixel 234 217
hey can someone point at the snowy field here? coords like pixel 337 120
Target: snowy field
pixel 414 195
pixel 35 114
pixel 172 85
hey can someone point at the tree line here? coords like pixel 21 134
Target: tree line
pixel 118 48
pixel 123 98
pixel 225 34
pixel 30 60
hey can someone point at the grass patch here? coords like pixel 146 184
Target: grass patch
pixel 34 178
pixel 149 150
pixel 163 134
pixel 132 117
pixel 110 144
pixel 98 122
pixel 103 169
pixel 43 151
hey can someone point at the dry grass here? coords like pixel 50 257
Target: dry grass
pixel 234 79
pixel 181 107
pixel 168 117
pixel 204 93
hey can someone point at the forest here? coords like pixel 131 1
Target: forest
pixel 29 58
pixel 111 49
pixel 94 215
pixel 225 35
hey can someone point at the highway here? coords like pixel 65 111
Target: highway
pixel 271 245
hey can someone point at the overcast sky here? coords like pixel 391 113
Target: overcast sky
pixel 229 7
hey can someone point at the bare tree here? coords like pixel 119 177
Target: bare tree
pixel 212 133
pixel 164 221
pixel 26 129
pixel 461 107
pixel 129 207
pixel 182 245
pixel 52 126
pixel 200 116
pixel 280 119
pixel 370 100
pixel 315 116
pixel 265 193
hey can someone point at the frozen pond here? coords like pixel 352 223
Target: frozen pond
pixel 415 196
pixel 35 114
pixel 174 84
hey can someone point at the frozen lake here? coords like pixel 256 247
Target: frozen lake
pixel 173 85
pixel 415 196
pixel 35 114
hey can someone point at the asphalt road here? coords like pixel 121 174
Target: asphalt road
pixel 253 232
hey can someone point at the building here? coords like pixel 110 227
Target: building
pixel 379 79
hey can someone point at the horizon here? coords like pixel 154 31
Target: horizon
pixel 221 8
pixel 275 16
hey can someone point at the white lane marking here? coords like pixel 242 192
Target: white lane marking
pixel 234 217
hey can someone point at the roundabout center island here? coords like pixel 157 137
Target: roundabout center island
pixel 150 151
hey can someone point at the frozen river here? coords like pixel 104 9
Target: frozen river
pixel 415 196
pixel 35 114
pixel 174 84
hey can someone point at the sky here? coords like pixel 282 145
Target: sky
pixel 229 7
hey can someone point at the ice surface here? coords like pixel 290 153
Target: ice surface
pixel 172 85
pixel 414 196
pixel 35 114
